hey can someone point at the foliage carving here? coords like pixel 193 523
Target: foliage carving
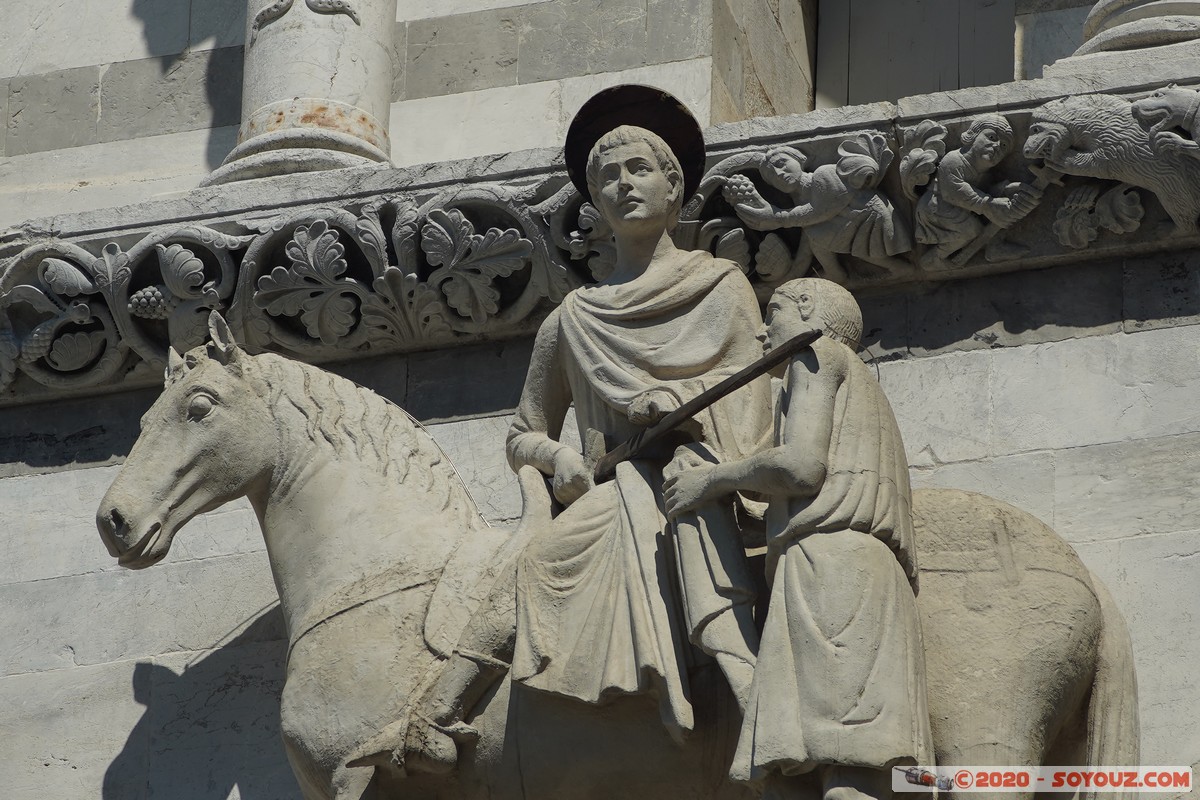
pixel 469 262
pixel 313 286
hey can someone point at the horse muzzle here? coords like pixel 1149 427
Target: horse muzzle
pixel 131 549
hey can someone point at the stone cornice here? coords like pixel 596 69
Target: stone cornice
pixel 354 262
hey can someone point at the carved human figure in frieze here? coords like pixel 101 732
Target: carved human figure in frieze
pixel 839 206
pixel 963 196
pixel 839 689
pixel 609 597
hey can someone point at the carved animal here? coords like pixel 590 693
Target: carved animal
pixel 1169 114
pixel 1097 136
pixel 377 551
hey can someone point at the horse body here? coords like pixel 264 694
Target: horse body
pixel 361 514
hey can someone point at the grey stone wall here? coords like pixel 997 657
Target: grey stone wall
pixel 1046 31
pixel 109 103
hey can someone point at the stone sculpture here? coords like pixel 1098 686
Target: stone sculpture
pixel 380 558
pixel 824 711
pixel 440 264
pixel 839 206
pixel 1098 136
pixel 1169 114
pixel 954 211
pixel 337 476
pixel 591 654
pixel 663 326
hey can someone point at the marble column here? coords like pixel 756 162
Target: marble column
pixel 317 88
pixel 1120 25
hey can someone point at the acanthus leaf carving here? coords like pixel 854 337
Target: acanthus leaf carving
pixel 450 263
pixel 923 148
pixel 1086 212
pixel 369 230
pixel 313 287
pixel 334 7
pixel 405 310
pixel 774 259
pixel 65 278
pixel 182 272
pixel 863 160
pixel 111 269
pixel 404 233
pixel 74 351
pixel 733 246
pixel 594 242
pixel 468 263
pixel 279 8
pixel 268 15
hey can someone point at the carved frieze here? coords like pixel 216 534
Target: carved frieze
pixel 408 270
pixel 387 275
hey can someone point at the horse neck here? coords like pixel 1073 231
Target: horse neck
pixel 338 530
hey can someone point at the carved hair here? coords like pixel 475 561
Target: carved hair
pixel 836 308
pixel 359 425
pixel 631 134
pixel 784 150
pixel 994 121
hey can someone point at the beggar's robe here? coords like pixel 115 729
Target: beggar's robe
pixel 840 675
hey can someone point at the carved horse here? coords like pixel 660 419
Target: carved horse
pixel 378 551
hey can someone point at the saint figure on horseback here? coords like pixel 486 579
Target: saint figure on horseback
pixel 608 597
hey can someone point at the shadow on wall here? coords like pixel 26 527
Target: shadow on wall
pixel 221 67
pixel 1014 308
pixel 212 728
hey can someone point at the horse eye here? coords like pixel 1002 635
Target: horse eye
pixel 200 406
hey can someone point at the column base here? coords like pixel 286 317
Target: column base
pixel 284 152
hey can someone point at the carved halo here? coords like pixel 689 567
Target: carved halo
pixel 644 107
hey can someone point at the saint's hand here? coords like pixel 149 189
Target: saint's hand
pixel 687 488
pixel 651 406
pixel 572 478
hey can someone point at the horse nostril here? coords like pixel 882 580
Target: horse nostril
pixel 116 525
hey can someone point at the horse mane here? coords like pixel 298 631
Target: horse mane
pixel 358 425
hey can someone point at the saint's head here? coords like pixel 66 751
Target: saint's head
pixel 635 181
pixel 636 153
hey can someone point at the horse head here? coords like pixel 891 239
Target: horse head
pixel 209 438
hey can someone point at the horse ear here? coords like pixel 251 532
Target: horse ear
pixel 175 365
pixel 225 347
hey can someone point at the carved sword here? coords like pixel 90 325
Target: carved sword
pixel 606 467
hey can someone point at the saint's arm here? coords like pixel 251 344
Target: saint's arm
pixel 545 399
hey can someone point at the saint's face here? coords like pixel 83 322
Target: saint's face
pixel 633 188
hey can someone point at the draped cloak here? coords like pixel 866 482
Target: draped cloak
pixel 599 609
pixel 840 677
